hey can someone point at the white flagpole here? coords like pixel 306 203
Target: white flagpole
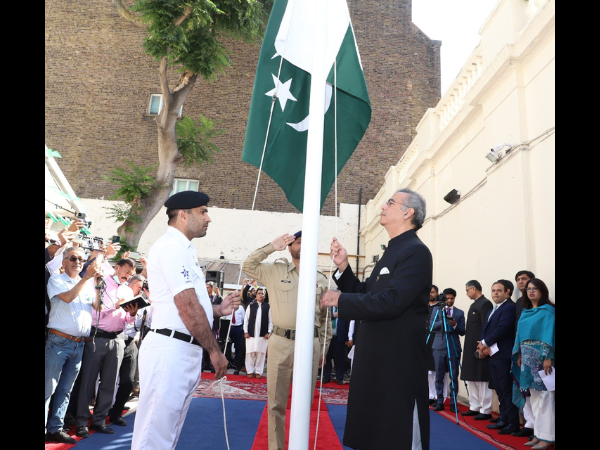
pixel 303 348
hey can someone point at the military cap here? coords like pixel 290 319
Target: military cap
pixel 297 234
pixel 187 200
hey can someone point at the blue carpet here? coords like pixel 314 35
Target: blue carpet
pixel 445 435
pixel 203 428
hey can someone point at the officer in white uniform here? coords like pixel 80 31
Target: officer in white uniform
pixel 170 359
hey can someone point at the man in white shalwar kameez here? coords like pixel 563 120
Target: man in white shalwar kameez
pixel 257 329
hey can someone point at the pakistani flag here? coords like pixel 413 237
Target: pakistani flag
pixel 284 69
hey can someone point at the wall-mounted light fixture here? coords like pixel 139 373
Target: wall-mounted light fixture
pixel 383 247
pixel 452 197
pixel 496 153
pixel 375 258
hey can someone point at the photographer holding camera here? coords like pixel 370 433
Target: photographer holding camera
pixel 449 325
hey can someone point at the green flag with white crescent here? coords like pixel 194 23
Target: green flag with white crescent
pixel 284 70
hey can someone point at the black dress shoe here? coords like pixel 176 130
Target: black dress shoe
pixel 432 401
pixel 496 420
pixel 508 429
pixel 524 432
pixel 82 432
pixel 102 429
pixel 438 407
pixel 496 426
pixel 326 380
pixel 60 436
pixel 482 417
pixel 236 372
pixel 470 413
pixel 118 421
pixel 452 408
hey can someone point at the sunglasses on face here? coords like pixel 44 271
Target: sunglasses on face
pixel 74 258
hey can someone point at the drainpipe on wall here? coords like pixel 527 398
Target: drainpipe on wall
pixel 358 233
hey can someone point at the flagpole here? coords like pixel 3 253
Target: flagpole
pixel 303 347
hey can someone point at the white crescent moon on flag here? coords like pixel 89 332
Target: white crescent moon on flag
pixel 303 125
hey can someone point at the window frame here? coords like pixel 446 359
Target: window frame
pixel 160 106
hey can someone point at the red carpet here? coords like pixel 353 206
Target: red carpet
pixel 479 428
pixel 326 439
pixel 58 446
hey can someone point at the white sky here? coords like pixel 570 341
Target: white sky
pixel 456 23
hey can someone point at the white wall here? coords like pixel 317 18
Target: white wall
pixel 505 219
pixel 237 232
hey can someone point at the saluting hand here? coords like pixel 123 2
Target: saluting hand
pixel 281 242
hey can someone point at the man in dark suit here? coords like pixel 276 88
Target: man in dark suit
pixel 391 306
pixel 448 326
pixel 497 340
pixel 474 370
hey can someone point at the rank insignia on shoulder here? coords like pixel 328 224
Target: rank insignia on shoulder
pixel 286 281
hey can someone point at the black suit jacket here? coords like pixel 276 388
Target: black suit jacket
pixel 392 307
pixel 499 329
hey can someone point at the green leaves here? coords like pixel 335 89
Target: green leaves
pixel 192 33
pixel 194 140
pixel 133 183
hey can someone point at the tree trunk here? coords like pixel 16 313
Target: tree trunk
pixel 168 156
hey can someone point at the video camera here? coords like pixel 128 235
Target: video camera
pixel 441 301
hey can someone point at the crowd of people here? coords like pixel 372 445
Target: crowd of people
pixel 509 349
pixel 94 335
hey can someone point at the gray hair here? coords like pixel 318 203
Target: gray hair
pixel 137 277
pixel 70 249
pixel 417 202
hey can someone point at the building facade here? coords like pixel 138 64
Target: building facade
pixel 98 85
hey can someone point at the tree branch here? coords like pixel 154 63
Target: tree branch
pixel 126 14
pixel 164 81
pixel 185 15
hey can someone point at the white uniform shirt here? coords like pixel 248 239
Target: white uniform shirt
pixel 172 268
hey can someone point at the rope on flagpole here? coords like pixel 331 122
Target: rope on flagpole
pixel 220 383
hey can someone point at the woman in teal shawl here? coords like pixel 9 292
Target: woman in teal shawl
pixel 533 352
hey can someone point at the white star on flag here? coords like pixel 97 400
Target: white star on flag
pixel 282 90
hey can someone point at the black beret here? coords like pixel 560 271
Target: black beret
pixel 187 200
pixel 297 234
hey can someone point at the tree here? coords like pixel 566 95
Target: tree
pixel 189 35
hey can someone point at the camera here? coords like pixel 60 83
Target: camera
pixel 145 285
pixel 82 216
pixel 441 300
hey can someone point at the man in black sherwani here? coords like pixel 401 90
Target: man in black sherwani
pixel 388 404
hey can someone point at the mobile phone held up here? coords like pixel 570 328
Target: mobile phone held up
pixel 116 239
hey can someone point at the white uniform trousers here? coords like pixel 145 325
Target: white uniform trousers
pixel 170 371
pixel 543 405
pixel 480 396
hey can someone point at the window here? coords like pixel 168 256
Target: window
pixel 156 104
pixel 183 184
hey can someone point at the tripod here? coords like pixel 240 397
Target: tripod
pixel 447 333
